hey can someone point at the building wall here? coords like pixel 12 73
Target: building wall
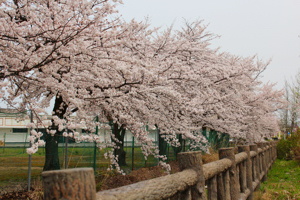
pixel 8 122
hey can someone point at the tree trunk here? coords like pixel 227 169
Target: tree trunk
pixel 162 144
pixel 178 149
pixel 119 133
pixel 51 157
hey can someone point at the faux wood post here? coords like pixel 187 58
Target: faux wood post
pixel 212 188
pixel 273 151
pixel 220 186
pixel 276 150
pixel 243 177
pixel 246 149
pixel 255 166
pixel 263 161
pixel 77 184
pixel 266 161
pixel 226 181
pixel 273 155
pixel 238 178
pixel 268 155
pixel 229 153
pixel 193 160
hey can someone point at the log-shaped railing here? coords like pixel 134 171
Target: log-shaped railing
pixel 234 176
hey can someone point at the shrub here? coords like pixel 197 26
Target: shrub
pixel 290 148
pixel 284 149
pixel 296 147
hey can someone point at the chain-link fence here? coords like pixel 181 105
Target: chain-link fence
pixel 14 143
pixel 86 154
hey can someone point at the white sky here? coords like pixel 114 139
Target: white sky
pixel 268 28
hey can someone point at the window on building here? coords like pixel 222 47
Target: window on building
pixel 20 130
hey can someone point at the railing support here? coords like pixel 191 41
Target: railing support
pixel 255 166
pixel 76 183
pixel 193 160
pixel 222 177
pixel 229 153
pixel 248 165
pixel 263 161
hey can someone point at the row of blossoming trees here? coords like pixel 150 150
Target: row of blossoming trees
pixel 92 63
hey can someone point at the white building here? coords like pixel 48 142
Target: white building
pixel 13 128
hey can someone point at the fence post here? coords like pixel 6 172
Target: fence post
pixel 246 149
pixel 276 142
pixel 274 150
pixel 263 161
pixel 220 186
pixel 268 155
pixel 193 160
pixel 255 166
pixel 78 183
pixel 229 154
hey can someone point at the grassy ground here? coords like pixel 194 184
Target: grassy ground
pixel 283 179
pixel 283 182
pixel 14 163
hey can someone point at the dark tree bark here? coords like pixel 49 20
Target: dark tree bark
pixel 119 133
pixel 162 144
pixel 51 157
pixel 178 149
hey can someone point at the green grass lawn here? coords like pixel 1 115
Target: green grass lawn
pixel 283 182
pixel 14 161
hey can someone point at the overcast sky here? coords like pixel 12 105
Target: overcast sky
pixel 268 28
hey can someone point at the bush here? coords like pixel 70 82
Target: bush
pixel 290 148
pixel 284 149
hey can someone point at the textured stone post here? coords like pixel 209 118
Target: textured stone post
pixel 246 149
pixel 263 161
pixel 273 152
pixel 212 188
pixel 220 183
pixel 253 147
pixel 229 153
pixel 77 184
pixel 243 176
pixel 255 166
pixel 226 179
pixel 193 160
pixel 238 178
pixel 268 155
pixel 276 149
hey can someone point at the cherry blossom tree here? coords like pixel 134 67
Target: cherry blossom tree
pixel 289 115
pixel 42 43
pixel 129 75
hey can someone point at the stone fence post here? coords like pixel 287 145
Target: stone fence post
pixel 255 166
pixel 193 160
pixel 229 154
pixel 248 166
pixel 77 184
pixel 263 161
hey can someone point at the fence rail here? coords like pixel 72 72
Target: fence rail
pixel 234 176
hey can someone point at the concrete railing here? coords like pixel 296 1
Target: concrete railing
pixel 234 176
